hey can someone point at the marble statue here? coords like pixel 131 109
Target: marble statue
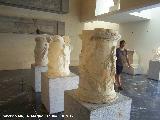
pixel 97 66
pixel 156 56
pixel 59 56
pixel 41 50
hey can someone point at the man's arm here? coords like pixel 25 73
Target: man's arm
pixel 128 62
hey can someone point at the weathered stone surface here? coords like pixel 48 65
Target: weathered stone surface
pixel 41 50
pixel 53 91
pixel 59 56
pixel 24 25
pixel 156 54
pixel 78 110
pixel 97 66
pixel 57 6
pixel 36 76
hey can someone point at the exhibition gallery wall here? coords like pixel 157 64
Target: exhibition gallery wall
pixel 18 45
pixel 141 36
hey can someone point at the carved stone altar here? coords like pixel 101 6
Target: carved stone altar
pixel 59 56
pixel 97 66
pixel 41 61
pixel 41 50
pixel 134 62
pixel 97 77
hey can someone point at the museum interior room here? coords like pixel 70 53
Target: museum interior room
pixel 79 60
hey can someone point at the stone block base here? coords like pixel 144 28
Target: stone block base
pixel 36 76
pixel 154 70
pixel 53 91
pixel 133 71
pixel 117 110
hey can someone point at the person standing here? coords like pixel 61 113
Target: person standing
pixel 122 59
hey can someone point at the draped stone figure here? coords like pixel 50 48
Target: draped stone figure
pixel 59 56
pixel 41 50
pixel 97 66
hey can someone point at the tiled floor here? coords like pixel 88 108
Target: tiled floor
pixel 17 97
pixel 145 96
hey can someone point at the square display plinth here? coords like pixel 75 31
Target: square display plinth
pixel 154 70
pixel 53 91
pixel 79 110
pixel 36 76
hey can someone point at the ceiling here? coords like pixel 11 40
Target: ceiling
pixel 125 17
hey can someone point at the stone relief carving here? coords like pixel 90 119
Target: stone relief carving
pixel 30 26
pixel 106 35
pixel 59 56
pixel 56 6
pixel 41 50
pixel 97 66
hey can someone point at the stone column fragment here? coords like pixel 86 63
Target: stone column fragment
pixel 41 51
pixel 59 56
pixel 97 66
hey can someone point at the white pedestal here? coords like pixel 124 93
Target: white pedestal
pixel 118 110
pixel 154 70
pixel 136 70
pixel 53 91
pixel 36 75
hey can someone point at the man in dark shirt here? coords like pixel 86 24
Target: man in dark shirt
pixel 122 58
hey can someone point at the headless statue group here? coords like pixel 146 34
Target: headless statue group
pixel 53 51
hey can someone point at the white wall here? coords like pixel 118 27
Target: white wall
pixel 143 37
pixel 16 50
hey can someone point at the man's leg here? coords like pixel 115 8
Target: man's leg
pixel 118 77
pixel 119 80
